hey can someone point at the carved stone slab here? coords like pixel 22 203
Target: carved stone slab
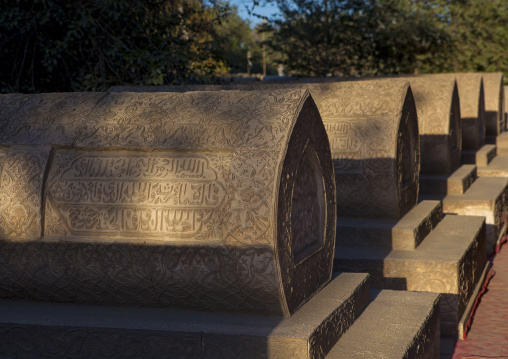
pixel 220 201
pixel 34 329
pixel 21 180
pixel 494 102
pixel 439 123
pixel 373 131
pixel 472 109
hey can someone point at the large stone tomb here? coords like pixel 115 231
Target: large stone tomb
pixel 167 199
pixel 458 188
pixel 497 164
pixel 194 203
pixel 415 250
pixel 502 139
pixel 373 132
pixel 494 105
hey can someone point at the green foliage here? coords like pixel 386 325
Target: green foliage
pixel 407 36
pixel 235 39
pixel 354 37
pixel 479 29
pixel 319 37
pixel 59 45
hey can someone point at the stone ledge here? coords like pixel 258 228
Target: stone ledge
pixel 28 328
pixel 455 184
pixel 446 262
pixel 405 234
pixel 498 167
pixel 502 143
pixel 486 197
pixel 395 325
pixel 481 157
pixel 472 300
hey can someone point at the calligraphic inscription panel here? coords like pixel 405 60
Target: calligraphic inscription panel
pixel 164 195
pixel 21 180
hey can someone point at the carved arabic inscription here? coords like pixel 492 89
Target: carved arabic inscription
pixel 168 195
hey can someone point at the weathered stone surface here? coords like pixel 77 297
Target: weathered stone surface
pixel 449 261
pixel 455 184
pixel 373 131
pixel 480 157
pixel 498 167
pixel 494 102
pixel 31 329
pixel 385 331
pixel 21 180
pixel 219 201
pixel 404 234
pixel 472 110
pixel 486 197
pixel 439 123
pixel 502 143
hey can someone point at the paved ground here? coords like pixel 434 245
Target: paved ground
pixel 488 337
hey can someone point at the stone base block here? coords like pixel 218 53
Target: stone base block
pixel 482 157
pixel 490 140
pixel 405 234
pixel 395 325
pixel 449 261
pixel 498 167
pixel 486 197
pixel 57 330
pixel 502 143
pixel 470 305
pixel 455 184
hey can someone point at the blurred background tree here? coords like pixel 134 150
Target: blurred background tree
pixel 61 45
pixel 236 40
pixel 478 30
pixel 58 45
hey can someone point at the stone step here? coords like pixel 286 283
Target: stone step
pixel 449 261
pixel 396 324
pixel 486 197
pixel 481 157
pixel 502 143
pixel 63 330
pixel 455 184
pixel 497 168
pixel 404 234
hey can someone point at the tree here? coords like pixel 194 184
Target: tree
pixel 235 39
pixel 60 45
pixel 319 37
pixel 408 36
pixel 354 37
pixel 479 30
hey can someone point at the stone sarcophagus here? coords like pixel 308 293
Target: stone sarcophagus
pixel 373 139
pixel 374 143
pixel 439 123
pixel 494 104
pixel 207 200
pixel 472 109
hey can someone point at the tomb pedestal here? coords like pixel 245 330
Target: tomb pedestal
pixel 51 330
pixel 463 193
pixel 158 225
pixel 440 256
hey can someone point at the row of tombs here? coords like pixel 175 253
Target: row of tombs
pixel 335 218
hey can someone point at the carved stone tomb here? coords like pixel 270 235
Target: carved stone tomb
pixel 177 225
